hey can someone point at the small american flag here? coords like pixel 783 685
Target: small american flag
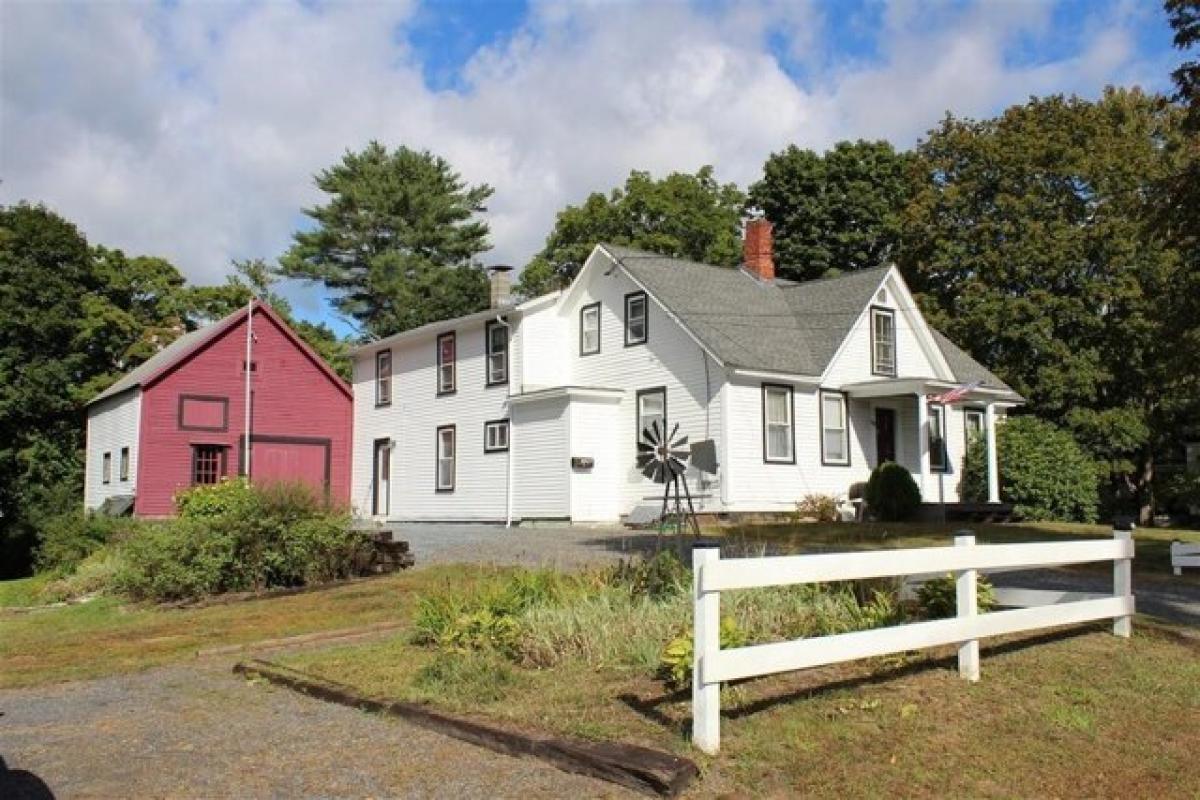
pixel 955 394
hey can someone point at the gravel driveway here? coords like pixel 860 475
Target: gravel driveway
pixel 543 545
pixel 200 731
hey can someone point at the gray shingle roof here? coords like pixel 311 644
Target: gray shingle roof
pixel 164 358
pixel 785 327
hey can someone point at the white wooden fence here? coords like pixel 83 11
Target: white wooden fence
pixel 1184 555
pixel 713 575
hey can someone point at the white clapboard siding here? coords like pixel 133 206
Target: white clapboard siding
pixel 112 423
pixel 541 442
pixel 670 358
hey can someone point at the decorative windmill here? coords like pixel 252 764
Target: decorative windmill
pixel 663 459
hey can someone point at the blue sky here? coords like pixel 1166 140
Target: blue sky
pixel 192 130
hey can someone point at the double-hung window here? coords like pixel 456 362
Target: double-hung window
pixel 446 452
pixel 106 469
pixel 124 463
pixel 651 409
pixel 883 341
pixel 937 438
pixel 973 422
pixel 208 463
pixel 383 378
pixel 495 436
pixel 835 430
pixel 636 319
pixel 778 440
pixel 446 353
pixel 496 339
pixel 589 329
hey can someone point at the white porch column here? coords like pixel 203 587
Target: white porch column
pixel 993 472
pixel 923 445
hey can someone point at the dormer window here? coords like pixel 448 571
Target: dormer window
pixel 883 341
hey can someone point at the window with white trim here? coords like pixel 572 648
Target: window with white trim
pixel 495 436
pixel 446 353
pixel 883 341
pixel 636 328
pixel 835 430
pixel 651 408
pixel 778 438
pixel 383 378
pixel 589 329
pixel 446 453
pixel 496 334
pixel 973 422
pixel 937 438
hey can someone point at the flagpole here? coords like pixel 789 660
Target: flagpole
pixel 246 369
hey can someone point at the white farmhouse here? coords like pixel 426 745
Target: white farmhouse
pixel 533 410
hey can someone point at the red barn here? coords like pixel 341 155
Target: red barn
pixel 180 419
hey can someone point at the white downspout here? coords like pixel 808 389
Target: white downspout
pixel 993 472
pixel 246 369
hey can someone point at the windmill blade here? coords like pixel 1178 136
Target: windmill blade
pixel 680 442
pixel 643 460
pixel 674 431
pixel 681 455
pixel 659 432
pixel 649 470
pixel 645 447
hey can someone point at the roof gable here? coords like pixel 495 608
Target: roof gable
pixel 781 326
pixel 190 344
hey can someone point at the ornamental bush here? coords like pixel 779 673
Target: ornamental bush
pixel 892 494
pixel 1043 472
pixel 234 536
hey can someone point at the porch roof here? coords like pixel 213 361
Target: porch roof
pixel 894 387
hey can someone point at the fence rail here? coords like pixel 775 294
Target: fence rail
pixel 1184 555
pixel 713 575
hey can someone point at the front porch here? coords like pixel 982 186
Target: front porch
pixel 896 419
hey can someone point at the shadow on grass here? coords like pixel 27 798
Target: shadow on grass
pixel 650 708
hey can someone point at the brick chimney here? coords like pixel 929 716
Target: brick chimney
pixel 757 251
pixel 501 281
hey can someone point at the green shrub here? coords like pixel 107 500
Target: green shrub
pixel 1043 472
pixel 891 493
pixel 675 665
pixel 64 540
pixel 938 598
pixel 821 507
pixel 236 537
pixel 94 575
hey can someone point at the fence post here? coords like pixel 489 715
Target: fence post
pixel 706 642
pixel 968 606
pixel 1123 575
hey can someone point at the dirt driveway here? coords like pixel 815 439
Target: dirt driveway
pixel 200 731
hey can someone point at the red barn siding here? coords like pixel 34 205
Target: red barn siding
pixel 293 397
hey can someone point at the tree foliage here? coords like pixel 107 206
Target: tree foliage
pixel 681 215
pixel 1044 473
pixel 837 211
pixel 1032 240
pixel 397 242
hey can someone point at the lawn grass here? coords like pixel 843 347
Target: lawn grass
pixel 1069 713
pixel 1153 545
pixel 106 636
pixel 23 591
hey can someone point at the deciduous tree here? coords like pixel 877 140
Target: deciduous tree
pixel 681 215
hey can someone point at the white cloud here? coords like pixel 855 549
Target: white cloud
pixel 193 132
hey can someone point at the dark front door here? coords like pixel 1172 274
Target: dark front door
pixel 885 435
